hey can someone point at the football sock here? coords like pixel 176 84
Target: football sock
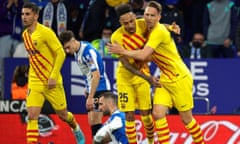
pixel 131 132
pixel 32 131
pixel 71 121
pixel 162 131
pixel 195 131
pixel 148 127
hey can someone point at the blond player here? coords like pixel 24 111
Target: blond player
pixel 46 57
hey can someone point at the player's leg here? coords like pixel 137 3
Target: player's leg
pixel 131 127
pixel 161 103
pixel 146 117
pixel 56 97
pixel 95 116
pixel 126 103
pixel 34 104
pixel 143 95
pixel 95 121
pixel 184 103
pixel 192 126
pixel 71 121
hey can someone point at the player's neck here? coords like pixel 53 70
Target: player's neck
pixel 32 28
pixel 113 110
pixel 78 45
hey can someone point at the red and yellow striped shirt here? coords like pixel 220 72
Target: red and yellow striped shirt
pixel 42 47
pixel 130 42
pixel 166 55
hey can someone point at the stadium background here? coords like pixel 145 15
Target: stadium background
pixel 216 95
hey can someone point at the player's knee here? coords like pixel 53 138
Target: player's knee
pixel 158 115
pixel 95 118
pixel 145 112
pixel 32 116
pixel 130 116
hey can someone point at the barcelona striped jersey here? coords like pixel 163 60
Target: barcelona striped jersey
pixel 131 42
pixel 42 46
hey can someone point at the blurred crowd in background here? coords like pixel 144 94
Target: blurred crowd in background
pixel 209 28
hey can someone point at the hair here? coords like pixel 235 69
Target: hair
pixel 136 4
pixel 155 5
pixel 20 75
pixel 32 6
pixel 123 9
pixel 66 36
pixel 109 95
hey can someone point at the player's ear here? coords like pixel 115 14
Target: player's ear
pixel 120 21
pixel 159 18
pixel 36 17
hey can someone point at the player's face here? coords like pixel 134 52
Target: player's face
pixel 128 21
pixel 69 46
pixel 151 16
pixel 28 17
pixel 102 106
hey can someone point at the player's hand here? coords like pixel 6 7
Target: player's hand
pixel 90 103
pixel 175 28
pixel 51 83
pixel 115 48
pixel 154 81
pixel 86 93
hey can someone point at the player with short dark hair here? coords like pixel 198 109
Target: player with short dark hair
pixel 46 57
pixel 91 65
pixel 113 129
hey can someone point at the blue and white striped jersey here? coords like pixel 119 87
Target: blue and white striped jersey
pixel 118 134
pixel 89 60
pixel 115 128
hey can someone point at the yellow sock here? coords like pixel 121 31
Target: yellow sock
pixel 131 132
pixel 32 131
pixel 163 131
pixel 71 121
pixel 148 127
pixel 195 131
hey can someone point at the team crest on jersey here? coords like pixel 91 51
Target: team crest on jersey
pixel 123 106
pixel 35 42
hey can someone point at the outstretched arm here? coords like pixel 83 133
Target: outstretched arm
pixel 142 54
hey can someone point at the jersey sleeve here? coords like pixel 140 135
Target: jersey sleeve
pixel 55 46
pixel 157 36
pixel 116 37
pixel 90 58
pixel 51 40
pixel 116 123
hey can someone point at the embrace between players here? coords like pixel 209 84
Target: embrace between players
pixel 135 42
